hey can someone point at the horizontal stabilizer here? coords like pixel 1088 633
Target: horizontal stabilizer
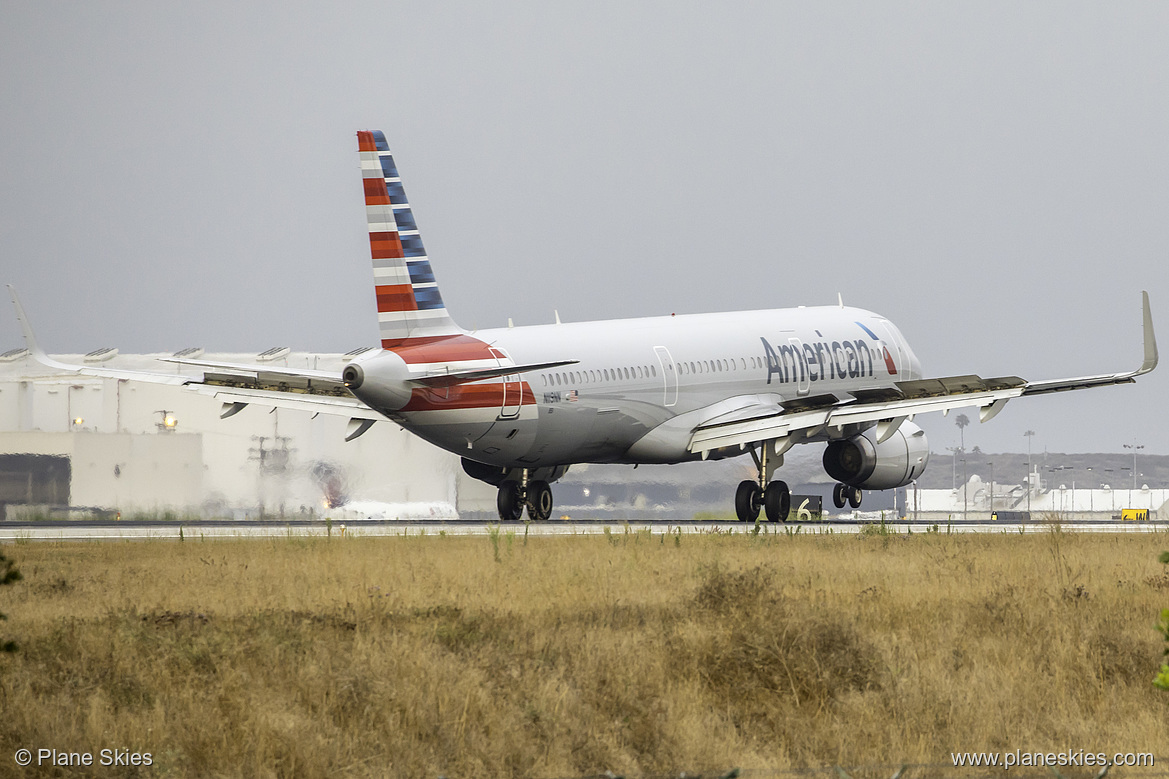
pixel 465 377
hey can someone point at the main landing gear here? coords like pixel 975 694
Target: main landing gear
pixel 775 498
pixel 514 497
pixel 842 493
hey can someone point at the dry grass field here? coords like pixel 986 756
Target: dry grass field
pixel 566 656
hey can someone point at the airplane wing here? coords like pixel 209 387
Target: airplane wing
pixel 241 384
pixel 807 417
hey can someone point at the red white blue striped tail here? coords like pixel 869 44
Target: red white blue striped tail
pixel 409 305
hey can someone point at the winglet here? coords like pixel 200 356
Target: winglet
pixel 30 339
pixel 1150 337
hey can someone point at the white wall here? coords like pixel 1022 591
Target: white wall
pixel 387 464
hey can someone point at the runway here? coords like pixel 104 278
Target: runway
pixel 106 530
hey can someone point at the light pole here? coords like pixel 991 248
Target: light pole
pixel 1134 446
pixel 965 488
pixel 1029 434
pixel 953 450
pixel 991 464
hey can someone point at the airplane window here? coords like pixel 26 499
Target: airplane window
pixel 544 376
pixel 577 375
pixel 640 373
pixel 692 368
pixel 556 377
pixel 744 363
pixel 605 374
pixel 654 371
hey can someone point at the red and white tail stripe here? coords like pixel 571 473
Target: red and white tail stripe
pixel 409 305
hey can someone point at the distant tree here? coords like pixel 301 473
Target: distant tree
pixel 1162 680
pixel 8 575
pixel 962 421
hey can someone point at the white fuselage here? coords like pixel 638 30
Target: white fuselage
pixel 640 386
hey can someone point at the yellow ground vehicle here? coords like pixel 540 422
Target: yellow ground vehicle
pixel 1135 515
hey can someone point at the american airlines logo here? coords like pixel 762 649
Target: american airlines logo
pixel 801 362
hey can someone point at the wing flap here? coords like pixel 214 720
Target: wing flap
pixel 315 404
pixel 718 434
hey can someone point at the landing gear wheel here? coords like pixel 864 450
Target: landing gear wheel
pixel 508 502
pixel 777 501
pixel 840 495
pixel 854 497
pixel 747 501
pixel 539 501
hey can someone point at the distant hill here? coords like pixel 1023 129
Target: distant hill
pixel 1084 468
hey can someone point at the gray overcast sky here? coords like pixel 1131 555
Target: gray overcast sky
pixel 993 177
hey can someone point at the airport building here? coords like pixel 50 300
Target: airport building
pixel 116 445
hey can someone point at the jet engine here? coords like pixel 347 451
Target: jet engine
pixel 862 462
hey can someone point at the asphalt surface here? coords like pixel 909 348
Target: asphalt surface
pixel 80 530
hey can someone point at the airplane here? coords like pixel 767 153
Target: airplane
pixel 520 405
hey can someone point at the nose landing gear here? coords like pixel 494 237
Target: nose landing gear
pixel 775 498
pixel 514 497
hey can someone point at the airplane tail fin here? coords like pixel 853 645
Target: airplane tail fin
pixel 409 304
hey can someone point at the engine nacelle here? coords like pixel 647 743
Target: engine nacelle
pixel 861 462
pixel 380 381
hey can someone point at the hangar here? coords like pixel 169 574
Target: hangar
pixel 74 443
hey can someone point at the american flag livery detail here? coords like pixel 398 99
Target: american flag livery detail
pixel 409 304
